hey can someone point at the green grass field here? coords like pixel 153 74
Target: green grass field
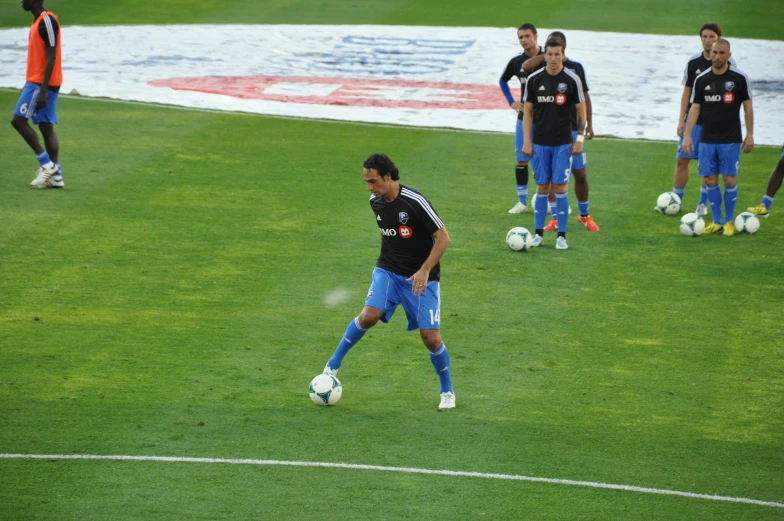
pixel 169 302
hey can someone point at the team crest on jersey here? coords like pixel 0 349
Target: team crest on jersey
pixel 560 99
pixel 403 216
pixel 405 232
pixel 562 87
pixel 729 97
pixel 729 85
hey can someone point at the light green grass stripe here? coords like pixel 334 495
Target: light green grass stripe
pixel 409 470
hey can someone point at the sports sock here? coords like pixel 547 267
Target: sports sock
pixel 59 173
pixel 540 211
pixel 680 190
pixel 553 207
pixel 583 207
pixel 767 201
pixel 44 161
pixel 703 195
pixel 714 198
pixel 440 360
pixel 352 335
pixel 730 200
pixel 521 175
pixel 562 210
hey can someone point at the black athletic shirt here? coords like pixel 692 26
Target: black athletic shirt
pixel 407 225
pixel 515 69
pixel 580 70
pixel 554 98
pixel 720 98
pixel 696 65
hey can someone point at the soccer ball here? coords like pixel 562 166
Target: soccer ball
pixel 692 225
pixel 668 203
pixel 747 222
pixel 325 390
pixel 519 239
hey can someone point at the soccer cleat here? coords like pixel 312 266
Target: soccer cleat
pixel 536 241
pixel 447 401
pixel 330 371
pixel 729 229
pixel 759 211
pixel 702 209
pixel 560 243
pixel 713 228
pixel 551 226
pixel 519 208
pixel 589 223
pixel 48 178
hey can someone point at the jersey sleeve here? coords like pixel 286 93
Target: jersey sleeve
pixel 745 92
pixel 580 70
pixel 697 94
pixel 49 30
pixel 509 71
pixel 428 216
pixel 529 95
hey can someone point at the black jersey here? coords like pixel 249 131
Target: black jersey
pixel 515 69
pixel 720 97
pixel 578 68
pixel 407 225
pixel 696 65
pixel 553 98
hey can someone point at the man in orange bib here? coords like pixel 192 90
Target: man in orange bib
pixel 38 100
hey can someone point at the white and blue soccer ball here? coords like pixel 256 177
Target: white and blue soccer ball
pixel 519 239
pixel 668 203
pixel 747 222
pixel 692 225
pixel 325 390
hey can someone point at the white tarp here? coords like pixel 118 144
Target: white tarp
pixel 420 76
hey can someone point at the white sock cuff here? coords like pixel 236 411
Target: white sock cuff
pixel 356 324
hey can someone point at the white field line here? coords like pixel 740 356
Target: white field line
pixel 409 470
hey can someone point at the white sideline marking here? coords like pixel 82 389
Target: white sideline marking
pixel 351 466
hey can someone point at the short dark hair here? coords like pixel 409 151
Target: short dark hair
pixel 382 164
pixel 722 41
pixel 711 26
pixel 555 42
pixel 559 35
pixel 528 26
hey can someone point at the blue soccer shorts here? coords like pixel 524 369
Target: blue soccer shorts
pixel 552 164
pixel 695 138
pixel 519 140
pixel 719 159
pixel 389 290
pixel 25 107
pixel 580 161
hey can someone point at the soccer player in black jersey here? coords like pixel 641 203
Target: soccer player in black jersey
pixel 697 64
pixel 717 95
pixel 407 273
pixel 774 183
pixel 550 96
pixel 526 34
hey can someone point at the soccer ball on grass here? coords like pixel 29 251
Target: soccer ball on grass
pixel 325 390
pixel 692 225
pixel 668 203
pixel 747 222
pixel 519 239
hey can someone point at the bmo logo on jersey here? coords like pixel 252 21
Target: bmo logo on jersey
pixel 545 99
pixel 715 97
pixel 388 232
pixel 405 232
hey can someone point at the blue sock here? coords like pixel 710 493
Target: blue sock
pixel 714 197
pixel 680 190
pixel 730 200
pixel 540 211
pixel 440 361
pixel 562 210
pixel 522 193
pixel 60 170
pixel 553 208
pixel 767 201
pixel 43 158
pixel 703 195
pixel 583 207
pixel 352 335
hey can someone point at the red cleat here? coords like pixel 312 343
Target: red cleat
pixel 552 226
pixel 590 225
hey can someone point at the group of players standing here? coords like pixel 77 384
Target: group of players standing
pixel 555 115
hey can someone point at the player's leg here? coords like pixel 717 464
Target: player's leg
pixel 580 173
pixel 774 183
pixel 521 172
pixel 709 170
pixel 562 172
pixel 379 305
pixel 682 160
pixel 542 163
pixel 552 225
pixel 729 167
pixel 45 117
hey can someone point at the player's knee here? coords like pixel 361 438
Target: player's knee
pixel 369 318
pixel 522 163
pixel 580 175
pixel 18 122
pixel 431 338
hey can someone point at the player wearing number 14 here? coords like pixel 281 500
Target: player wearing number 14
pixel 407 273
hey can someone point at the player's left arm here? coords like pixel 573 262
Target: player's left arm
pixel 589 117
pixel 748 114
pixel 419 279
pixel 577 146
pixel 49 30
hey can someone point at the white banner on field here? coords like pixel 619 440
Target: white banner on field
pixel 420 76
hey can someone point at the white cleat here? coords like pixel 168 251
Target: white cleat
pixel 48 178
pixel 560 243
pixel 331 372
pixel 447 401
pixel 519 208
pixel 536 241
pixel 702 209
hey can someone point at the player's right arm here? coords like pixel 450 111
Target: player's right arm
pixel 531 64
pixel 528 121
pixel 685 95
pixel 503 82
pixel 691 121
pixel 49 30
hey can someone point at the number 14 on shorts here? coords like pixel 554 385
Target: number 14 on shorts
pixel 435 316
